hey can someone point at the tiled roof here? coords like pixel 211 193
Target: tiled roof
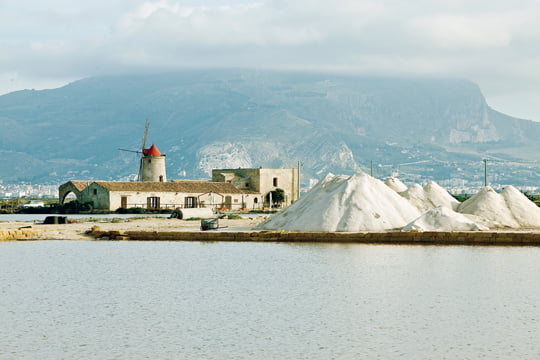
pixel 183 186
pixel 78 184
pixel 152 151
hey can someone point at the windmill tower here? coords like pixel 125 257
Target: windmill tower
pixel 152 161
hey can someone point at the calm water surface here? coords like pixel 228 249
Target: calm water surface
pixel 183 300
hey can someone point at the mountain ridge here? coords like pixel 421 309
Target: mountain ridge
pixel 248 118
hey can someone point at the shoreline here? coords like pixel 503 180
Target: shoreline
pixel 241 230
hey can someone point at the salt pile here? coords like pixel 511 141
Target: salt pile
pixel 525 211
pixel 417 197
pixel 508 209
pixel 345 203
pixel 429 197
pixel 396 184
pixel 443 218
pixel 438 196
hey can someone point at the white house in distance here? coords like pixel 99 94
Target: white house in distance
pixel 111 195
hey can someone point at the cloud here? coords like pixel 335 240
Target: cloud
pixel 480 40
pixel 465 32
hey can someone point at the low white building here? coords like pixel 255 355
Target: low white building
pixel 112 195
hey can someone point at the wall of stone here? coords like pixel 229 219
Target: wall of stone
pixel 153 168
pixel 417 238
pixel 287 179
pixel 262 180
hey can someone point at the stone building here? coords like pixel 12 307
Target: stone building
pixel 112 195
pixel 262 181
pixel 153 165
pixel 232 189
pixel 74 187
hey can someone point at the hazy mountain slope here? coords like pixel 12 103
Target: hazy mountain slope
pixel 237 118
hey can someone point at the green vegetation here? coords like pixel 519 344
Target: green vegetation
pixel 233 216
pixel 534 198
pixel 75 206
pixel 138 210
pixel 263 211
pixel 461 197
pixel 278 196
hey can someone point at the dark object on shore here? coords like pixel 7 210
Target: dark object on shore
pixel 210 224
pixel 55 220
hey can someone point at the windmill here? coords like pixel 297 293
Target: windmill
pixel 139 175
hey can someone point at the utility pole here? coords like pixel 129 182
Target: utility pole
pixel 485 172
pixel 298 185
pixel 372 168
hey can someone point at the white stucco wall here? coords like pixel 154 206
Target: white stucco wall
pixel 105 200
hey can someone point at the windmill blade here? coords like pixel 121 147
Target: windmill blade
pixel 144 136
pixel 134 151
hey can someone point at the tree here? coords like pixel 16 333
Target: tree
pixel 278 196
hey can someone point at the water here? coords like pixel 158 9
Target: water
pixel 192 300
pixel 41 217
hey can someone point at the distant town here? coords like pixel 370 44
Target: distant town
pixel 23 191
pixel 39 191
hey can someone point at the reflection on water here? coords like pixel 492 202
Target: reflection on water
pixel 183 300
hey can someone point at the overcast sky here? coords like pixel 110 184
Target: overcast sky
pixel 495 43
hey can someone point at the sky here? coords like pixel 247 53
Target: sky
pixel 494 43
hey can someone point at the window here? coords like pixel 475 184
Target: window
pixel 160 178
pixel 95 191
pixel 275 181
pixel 190 202
pixel 152 202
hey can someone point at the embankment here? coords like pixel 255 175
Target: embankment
pixel 421 238
pixel 17 234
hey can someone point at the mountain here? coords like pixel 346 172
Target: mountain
pixel 423 128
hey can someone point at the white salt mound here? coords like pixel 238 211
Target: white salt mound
pixel 438 196
pixel 429 197
pixel 345 203
pixel 396 184
pixel 490 206
pixel 417 197
pixel 526 213
pixel 443 218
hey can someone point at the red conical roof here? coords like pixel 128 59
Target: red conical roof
pixel 152 151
